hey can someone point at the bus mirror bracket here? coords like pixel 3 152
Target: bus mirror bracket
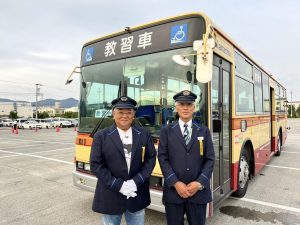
pixel 77 69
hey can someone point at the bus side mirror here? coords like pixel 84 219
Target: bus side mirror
pixel 217 126
pixel 204 59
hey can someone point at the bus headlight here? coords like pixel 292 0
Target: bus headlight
pixel 87 166
pixel 80 165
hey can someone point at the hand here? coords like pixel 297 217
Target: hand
pixel 132 195
pixel 131 185
pixel 193 187
pixel 128 189
pixel 182 189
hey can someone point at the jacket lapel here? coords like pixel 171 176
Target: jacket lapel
pixel 177 131
pixel 135 141
pixel 194 137
pixel 115 137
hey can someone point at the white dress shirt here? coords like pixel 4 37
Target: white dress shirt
pixel 189 123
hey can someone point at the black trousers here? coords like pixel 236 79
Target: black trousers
pixel 195 213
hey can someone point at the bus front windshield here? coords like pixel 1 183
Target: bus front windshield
pixel 152 80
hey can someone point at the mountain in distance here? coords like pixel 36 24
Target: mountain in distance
pixel 65 103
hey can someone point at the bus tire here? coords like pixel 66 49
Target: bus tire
pixel 279 145
pixel 244 174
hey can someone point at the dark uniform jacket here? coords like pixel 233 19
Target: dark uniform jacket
pixel 186 163
pixel 108 163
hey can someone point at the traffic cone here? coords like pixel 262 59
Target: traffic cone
pixel 35 129
pixel 12 130
pixel 57 128
pixel 75 128
pixel 17 131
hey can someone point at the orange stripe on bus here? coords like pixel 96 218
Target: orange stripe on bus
pixel 253 121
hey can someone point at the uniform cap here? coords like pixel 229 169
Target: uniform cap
pixel 123 102
pixel 185 96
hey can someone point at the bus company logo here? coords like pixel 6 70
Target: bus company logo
pixel 179 34
pixel 123 99
pixel 89 54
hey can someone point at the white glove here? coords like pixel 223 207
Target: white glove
pixel 128 189
pixel 132 185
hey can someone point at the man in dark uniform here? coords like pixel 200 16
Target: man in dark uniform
pixel 122 158
pixel 186 157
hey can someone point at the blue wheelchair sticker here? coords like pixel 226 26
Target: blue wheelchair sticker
pixel 179 34
pixel 89 54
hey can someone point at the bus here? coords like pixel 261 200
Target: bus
pixel 242 103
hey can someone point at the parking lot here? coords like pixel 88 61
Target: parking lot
pixel 36 184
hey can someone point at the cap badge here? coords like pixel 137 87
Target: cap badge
pixel 123 99
pixel 186 93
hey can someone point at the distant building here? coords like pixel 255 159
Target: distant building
pixel 57 105
pixel 72 109
pixel 49 110
pixel 6 108
pixel 24 109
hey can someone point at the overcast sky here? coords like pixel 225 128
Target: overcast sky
pixel 41 41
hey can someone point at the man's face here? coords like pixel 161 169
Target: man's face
pixel 123 118
pixel 185 110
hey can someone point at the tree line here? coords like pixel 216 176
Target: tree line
pixel 293 112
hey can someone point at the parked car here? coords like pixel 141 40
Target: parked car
pixel 46 123
pixel 61 122
pixel 31 125
pixel 7 122
pixel 74 122
pixel 20 122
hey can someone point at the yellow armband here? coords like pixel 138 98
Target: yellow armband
pixel 200 139
pixel 143 154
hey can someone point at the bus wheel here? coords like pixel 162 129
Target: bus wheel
pixel 279 146
pixel 244 172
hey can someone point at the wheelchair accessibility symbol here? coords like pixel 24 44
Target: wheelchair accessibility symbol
pixel 89 55
pixel 179 34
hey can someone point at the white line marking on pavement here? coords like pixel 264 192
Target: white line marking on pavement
pixel 22 146
pixel 58 149
pixel 284 167
pixel 268 204
pixel 45 141
pixel 40 157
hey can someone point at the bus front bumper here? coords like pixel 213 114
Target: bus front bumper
pixel 84 181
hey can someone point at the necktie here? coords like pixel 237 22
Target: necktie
pixel 186 134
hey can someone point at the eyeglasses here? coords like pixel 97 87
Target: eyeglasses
pixel 183 104
pixel 127 114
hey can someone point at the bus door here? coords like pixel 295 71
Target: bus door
pixel 220 94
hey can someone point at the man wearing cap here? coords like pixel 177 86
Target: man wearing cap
pixel 186 157
pixel 122 158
